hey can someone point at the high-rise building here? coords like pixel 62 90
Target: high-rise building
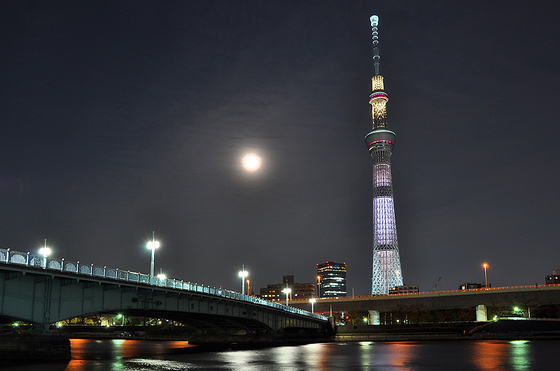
pixel 331 279
pixel 380 141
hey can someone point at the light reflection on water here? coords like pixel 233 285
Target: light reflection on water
pixel 520 355
pixel 514 355
pixel 84 349
pixel 490 355
pixel 114 354
pixel 139 355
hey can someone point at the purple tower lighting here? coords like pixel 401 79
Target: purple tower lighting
pixel 386 272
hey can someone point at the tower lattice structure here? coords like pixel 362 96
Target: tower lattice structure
pixel 387 271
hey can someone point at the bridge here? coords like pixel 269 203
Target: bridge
pixel 43 291
pixel 524 297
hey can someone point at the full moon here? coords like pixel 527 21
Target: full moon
pixel 251 162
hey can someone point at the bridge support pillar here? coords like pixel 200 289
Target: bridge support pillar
pixel 373 317
pixel 481 312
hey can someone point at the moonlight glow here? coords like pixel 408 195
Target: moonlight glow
pixel 251 162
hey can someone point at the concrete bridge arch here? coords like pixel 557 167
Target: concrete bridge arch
pixel 37 295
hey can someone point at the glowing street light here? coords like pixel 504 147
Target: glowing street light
pixel 312 301
pixel 45 251
pixel 243 274
pixel 287 291
pixel 319 286
pixel 153 245
pixel 485 266
pixel 161 278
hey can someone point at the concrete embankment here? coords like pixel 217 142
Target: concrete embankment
pixel 502 329
pixel 356 337
pixel 415 332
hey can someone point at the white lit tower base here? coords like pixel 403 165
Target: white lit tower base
pixel 386 272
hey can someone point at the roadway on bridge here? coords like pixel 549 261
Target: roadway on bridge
pixel 492 297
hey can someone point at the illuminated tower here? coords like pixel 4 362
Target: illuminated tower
pixel 380 141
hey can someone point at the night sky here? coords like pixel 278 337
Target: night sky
pixel 120 118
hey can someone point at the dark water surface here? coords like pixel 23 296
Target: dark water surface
pixel 138 355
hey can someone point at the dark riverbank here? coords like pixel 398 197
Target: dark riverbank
pixel 34 348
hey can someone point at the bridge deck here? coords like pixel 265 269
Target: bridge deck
pixel 522 295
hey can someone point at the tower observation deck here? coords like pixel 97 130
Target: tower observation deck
pixel 386 271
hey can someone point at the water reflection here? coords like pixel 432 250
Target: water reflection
pixel 317 355
pixel 284 357
pixel 401 354
pixel 490 355
pixel 242 360
pixel 145 355
pixel 381 355
pixel 88 354
pixel 520 358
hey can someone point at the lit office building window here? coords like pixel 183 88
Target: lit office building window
pixel 331 279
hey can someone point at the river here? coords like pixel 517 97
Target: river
pixel 138 355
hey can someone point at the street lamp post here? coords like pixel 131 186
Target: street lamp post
pixel 45 251
pixel 153 245
pixel 287 290
pixel 243 274
pixel 161 278
pixel 319 286
pixel 312 301
pixel 485 266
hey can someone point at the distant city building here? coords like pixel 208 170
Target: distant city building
pixel 410 289
pixel 275 292
pixel 473 286
pixel 331 279
pixel 554 278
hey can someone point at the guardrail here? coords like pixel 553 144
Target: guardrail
pixel 28 259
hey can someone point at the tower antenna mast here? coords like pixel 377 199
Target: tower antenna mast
pixel 374 20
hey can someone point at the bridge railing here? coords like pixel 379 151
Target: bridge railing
pixel 35 260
